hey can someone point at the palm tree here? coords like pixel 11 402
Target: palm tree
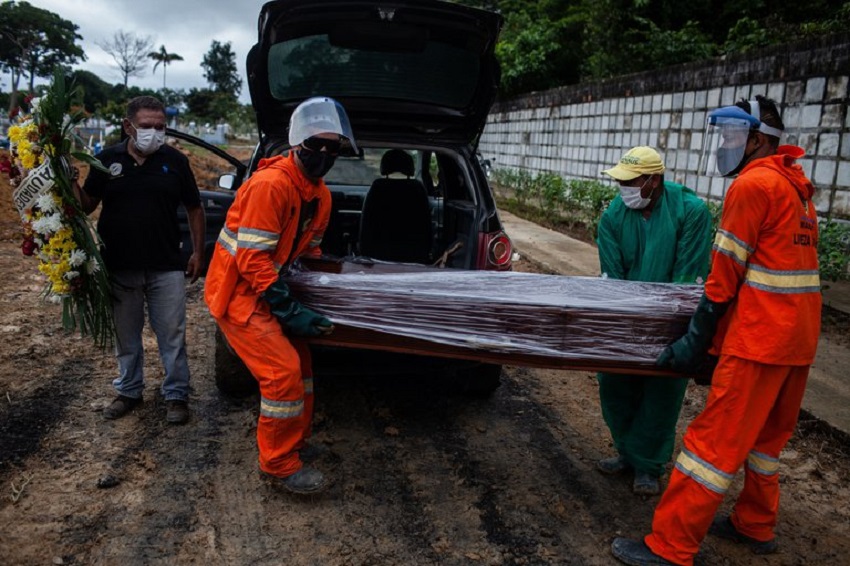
pixel 164 57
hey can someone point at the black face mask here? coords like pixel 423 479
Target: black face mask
pixel 316 163
pixel 729 160
pixel 725 161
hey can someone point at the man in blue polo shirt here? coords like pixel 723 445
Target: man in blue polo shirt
pixel 146 183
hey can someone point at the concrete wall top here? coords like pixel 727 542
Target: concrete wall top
pixel 822 56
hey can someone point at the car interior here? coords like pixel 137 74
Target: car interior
pixel 402 205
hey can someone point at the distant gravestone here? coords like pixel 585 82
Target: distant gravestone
pixel 216 137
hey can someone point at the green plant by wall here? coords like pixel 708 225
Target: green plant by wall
pixel 715 209
pixel 551 200
pixel 834 250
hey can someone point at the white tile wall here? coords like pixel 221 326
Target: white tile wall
pixel 581 139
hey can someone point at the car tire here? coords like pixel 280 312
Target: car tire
pixel 480 381
pixel 232 378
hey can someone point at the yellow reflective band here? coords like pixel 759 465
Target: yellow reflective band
pixel 762 463
pixel 783 281
pixel 255 241
pixel 703 473
pixel 281 409
pixel 727 244
pixel 227 241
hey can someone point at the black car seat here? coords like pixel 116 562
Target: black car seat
pixel 395 224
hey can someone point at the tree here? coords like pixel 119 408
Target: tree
pixel 94 90
pixel 35 42
pixel 165 58
pixel 129 52
pixel 527 52
pixel 208 105
pixel 220 69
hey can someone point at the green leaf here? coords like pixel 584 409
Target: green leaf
pixel 90 159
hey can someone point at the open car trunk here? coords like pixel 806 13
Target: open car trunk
pixel 411 70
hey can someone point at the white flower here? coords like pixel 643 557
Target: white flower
pixel 48 224
pixel 42 226
pixel 69 275
pixel 78 258
pixel 46 203
pixel 92 266
pixel 54 298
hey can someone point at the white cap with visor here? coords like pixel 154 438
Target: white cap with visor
pixel 321 115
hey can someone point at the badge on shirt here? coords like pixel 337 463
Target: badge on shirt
pixel 115 169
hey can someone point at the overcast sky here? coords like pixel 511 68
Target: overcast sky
pixel 185 27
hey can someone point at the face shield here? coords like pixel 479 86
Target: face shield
pixel 725 141
pixel 321 115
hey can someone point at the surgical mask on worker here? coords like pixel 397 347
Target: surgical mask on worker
pixel 148 140
pixel 632 198
pixel 316 163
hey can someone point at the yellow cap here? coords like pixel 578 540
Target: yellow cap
pixel 641 160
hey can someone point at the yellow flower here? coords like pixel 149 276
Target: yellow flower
pixel 29 161
pixel 16 134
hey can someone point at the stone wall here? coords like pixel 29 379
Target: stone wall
pixel 579 130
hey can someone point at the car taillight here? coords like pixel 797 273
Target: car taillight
pixel 494 251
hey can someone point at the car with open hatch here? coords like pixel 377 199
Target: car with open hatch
pixel 417 79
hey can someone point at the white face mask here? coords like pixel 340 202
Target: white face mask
pixel 632 198
pixel 148 140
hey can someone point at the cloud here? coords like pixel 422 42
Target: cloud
pixel 185 27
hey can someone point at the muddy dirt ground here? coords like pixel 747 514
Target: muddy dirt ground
pixel 422 475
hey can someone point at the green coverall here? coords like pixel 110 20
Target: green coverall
pixel 671 246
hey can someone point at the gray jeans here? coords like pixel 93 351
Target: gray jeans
pixel 165 295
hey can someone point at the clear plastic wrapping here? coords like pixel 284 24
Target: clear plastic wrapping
pixel 505 317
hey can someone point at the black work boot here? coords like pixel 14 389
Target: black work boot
pixel 645 484
pixel 613 466
pixel 176 411
pixel 723 527
pixel 305 481
pixel 121 406
pixel 636 553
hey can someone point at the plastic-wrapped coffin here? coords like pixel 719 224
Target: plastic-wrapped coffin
pixel 511 318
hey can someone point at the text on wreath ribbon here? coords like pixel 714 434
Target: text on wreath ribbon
pixel 38 182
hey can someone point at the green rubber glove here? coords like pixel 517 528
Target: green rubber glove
pixel 295 317
pixel 689 353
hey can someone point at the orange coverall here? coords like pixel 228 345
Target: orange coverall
pixel 257 241
pixel 765 265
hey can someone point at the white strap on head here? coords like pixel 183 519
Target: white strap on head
pixel 755 112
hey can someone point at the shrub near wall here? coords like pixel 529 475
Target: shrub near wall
pixel 834 250
pixel 573 206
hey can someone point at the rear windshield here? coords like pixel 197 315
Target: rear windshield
pixel 439 73
pixel 362 170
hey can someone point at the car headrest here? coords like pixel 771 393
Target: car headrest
pixel 397 161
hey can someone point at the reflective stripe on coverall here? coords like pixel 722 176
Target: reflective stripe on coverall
pixel 672 245
pixel 257 240
pixel 282 368
pixel 765 265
